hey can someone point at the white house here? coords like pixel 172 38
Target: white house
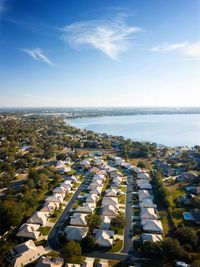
pixel 104 238
pixel 97 190
pixel 75 233
pixel 143 175
pixel 25 253
pixel 98 176
pixel 86 208
pixel 92 198
pixel 29 231
pixel 85 163
pixel 110 201
pixel 142 194
pixel 151 237
pixel 143 184
pixel 148 213
pixel 147 203
pixel 110 210
pixel 105 222
pixel 112 192
pixel 152 226
pixel 95 184
pixel 38 217
pixel 98 161
pixel 50 207
pixel 79 219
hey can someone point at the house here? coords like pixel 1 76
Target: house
pixel 94 170
pixel 148 213
pixel 151 237
pixel 143 175
pixel 103 263
pixel 104 238
pixel 25 253
pixel 142 194
pixel 110 201
pixel 196 215
pixel 102 172
pixel 147 203
pixel 152 226
pixel 186 177
pixel 63 169
pixel 50 207
pixel 73 179
pixel 97 190
pixel 46 261
pixel 118 179
pixel 105 222
pixel 29 231
pixel 53 199
pixel 85 164
pixel 85 208
pixel 79 219
pixel 165 168
pixel 195 190
pixel 92 198
pixel 112 192
pixel 88 262
pixel 143 184
pixel 38 217
pixel 98 176
pixel 59 196
pixel 60 190
pixel 110 210
pixel 75 233
pixel 95 184
pixel 98 161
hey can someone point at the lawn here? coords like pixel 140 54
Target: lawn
pixel 117 246
pixel 45 230
pixel 123 189
pixel 122 199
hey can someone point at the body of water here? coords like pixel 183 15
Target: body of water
pixel 170 130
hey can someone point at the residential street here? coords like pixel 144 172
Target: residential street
pixel 128 216
pixel 52 240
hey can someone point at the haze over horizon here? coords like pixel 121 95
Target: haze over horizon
pixel 99 53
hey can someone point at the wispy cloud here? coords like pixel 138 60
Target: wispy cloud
pixel 39 55
pixel 3 7
pixel 109 36
pixel 188 49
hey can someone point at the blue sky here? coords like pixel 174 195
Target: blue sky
pixel 99 53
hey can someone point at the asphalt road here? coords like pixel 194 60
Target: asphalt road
pixel 128 215
pixel 52 240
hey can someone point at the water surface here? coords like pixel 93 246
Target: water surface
pixel 170 130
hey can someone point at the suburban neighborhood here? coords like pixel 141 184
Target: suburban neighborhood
pixel 98 201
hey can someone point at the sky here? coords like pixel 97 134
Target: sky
pixel 96 53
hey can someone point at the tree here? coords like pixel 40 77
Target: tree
pixel 173 250
pixel 72 248
pixel 88 243
pixel 93 222
pixel 141 164
pixel 186 236
pixel 118 222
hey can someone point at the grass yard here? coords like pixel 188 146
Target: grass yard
pixel 123 189
pixel 45 230
pixel 117 246
pixel 122 199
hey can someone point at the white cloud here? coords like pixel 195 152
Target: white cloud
pixel 188 49
pixel 39 55
pixel 109 36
